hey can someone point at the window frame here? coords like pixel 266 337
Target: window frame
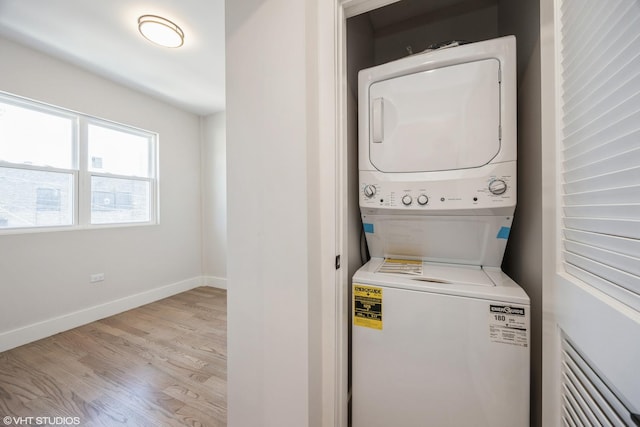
pixel 80 172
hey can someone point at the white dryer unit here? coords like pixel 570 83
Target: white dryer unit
pixel 437 138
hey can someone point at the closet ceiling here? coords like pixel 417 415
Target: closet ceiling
pixel 414 13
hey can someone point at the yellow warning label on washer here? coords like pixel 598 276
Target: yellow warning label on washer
pixel 367 306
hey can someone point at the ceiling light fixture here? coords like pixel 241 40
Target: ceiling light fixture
pixel 160 31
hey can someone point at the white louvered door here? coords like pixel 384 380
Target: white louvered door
pixel 596 284
pixel 586 399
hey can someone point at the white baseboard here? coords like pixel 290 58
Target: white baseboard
pixel 215 282
pixel 46 328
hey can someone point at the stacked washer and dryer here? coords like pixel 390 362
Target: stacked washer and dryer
pixel 440 334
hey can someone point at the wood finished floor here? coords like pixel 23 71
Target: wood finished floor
pixel 163 364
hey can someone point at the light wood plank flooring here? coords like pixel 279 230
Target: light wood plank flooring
pixel 163 364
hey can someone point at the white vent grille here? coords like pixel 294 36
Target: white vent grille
pixel 600 93
pixel 586 399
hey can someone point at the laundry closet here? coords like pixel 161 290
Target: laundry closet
pixel 409 27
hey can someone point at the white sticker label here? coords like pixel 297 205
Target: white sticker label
pixel 509 324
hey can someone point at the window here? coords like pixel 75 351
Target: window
pixel 48 199
pixel 64 169
pixel 120 185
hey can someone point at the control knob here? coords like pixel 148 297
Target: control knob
pixel 407 200
pixel 369 190
pixel 423 199
pixel 497 187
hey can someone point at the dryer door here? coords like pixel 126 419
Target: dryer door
pixel 442 119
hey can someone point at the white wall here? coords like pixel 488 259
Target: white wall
pixel 214 200
pixel 44 277
pixel 360 55
pixel 523 256
pixel 272 206
pixel 475 25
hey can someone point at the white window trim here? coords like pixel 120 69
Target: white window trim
pixel 81 211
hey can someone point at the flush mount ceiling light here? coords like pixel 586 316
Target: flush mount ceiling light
pixel 160 31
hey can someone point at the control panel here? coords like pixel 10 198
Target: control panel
pixel 491 191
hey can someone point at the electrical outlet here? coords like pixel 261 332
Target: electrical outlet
pixel 98 277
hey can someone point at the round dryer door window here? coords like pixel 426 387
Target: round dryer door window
pixel 441 119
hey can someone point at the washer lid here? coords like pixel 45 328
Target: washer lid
pixel 456 280
pixel 441 119
pixel 436 273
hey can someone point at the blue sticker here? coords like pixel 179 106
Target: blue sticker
pixel 503 233
pixel 368 228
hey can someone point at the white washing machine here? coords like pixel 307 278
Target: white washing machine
pixel 440 334
pixel 448 347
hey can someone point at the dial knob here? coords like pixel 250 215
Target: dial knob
pixel 369 191
pixel 423 200
pixel 406 200
pixel 497 187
